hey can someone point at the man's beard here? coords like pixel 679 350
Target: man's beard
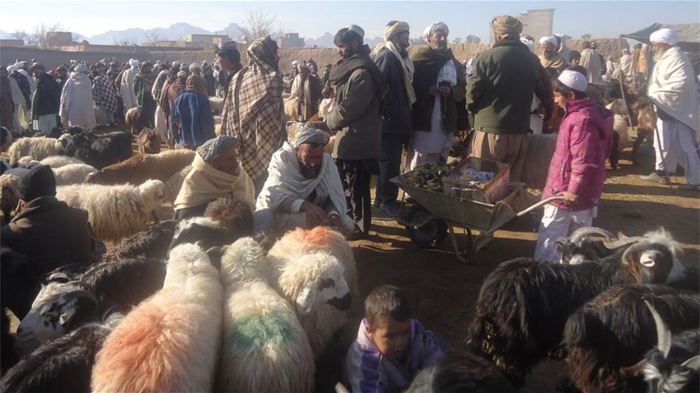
pixel 309 172
pixel 439 46
pixel 403 52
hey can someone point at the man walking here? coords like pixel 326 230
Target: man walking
pixel 499 94
pixel 673 90
pixel 358 91
pixel 396 68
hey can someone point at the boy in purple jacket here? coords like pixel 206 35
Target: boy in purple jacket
pixel 391 348
pixel 577 169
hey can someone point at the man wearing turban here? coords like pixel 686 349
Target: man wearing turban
pixel 499 94
pixel 396 68
pixel 549 57
pixel 673 90
pixel 439 84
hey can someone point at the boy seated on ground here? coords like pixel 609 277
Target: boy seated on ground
pixel 391 348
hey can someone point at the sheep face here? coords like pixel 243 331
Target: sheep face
pixel 153 192
pixel 330 287
pixel 63 307
pixel 66 143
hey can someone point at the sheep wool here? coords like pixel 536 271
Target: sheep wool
pixel 115 211
pixel 72 173
pixel 265 348
pixel 142 167
pixel 39 147
pixel 170 342
pixel 59 161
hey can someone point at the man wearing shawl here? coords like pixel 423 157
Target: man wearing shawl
pixel 549 57
pixel 143 83
pixel 23 105
pixel 673 90
pixel 359 89
pixel 46 100
pixel 591 62
pixel 166 75
pixel 303 188
pixel 499 94
pixel 171 91
pixel 216 173
pixel 439 84
pixel 77 105
pixel 306 88
pixel 229 60
pixel 626 64
pixel 7 106
pixel 126 85
pixel 191 121
pixel 254 111
pixel 105 97
pixel 396 68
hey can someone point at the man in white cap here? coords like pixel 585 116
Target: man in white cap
pixel 303 188
pixel 673 90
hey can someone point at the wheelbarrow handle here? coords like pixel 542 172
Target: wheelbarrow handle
pixel 558 197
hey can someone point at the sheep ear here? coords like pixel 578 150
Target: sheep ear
pixel 662 332
pixel 306 298
pixel 692 363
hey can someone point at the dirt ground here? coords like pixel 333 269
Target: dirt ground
pixel 443 289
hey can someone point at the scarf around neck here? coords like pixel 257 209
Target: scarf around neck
pixel 342 70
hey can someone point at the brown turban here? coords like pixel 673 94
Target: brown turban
pixel 506 25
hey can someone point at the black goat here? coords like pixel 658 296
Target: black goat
pixel 523 305
pixel 150 243
pixel 584 244
pixel 63 365
pixel 611 333
pixel 101 150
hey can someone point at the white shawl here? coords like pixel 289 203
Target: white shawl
pixel 672 87
pixel 591 62
pixel 286 181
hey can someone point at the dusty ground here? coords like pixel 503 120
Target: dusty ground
pixel 443 289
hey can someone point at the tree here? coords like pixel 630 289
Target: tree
pixel 29 40
pixel 456 40
pixel 153 36
pixel 472 39
pixel 259 24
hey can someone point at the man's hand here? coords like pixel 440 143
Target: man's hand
pixel 314 214
pixel 445 91
pixel 569 196
pixel 335 221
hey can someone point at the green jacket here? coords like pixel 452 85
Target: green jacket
pixel 500 91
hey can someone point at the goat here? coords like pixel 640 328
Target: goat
pixel 153 242
pixel 101 150
pixel 582 245
pixel 148 141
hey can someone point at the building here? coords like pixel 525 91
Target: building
pixel 537 23
pixel 292 40
pixel 59 38
pixel 206 39
pixel 7 43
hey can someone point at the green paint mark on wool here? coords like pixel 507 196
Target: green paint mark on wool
pixel 257 331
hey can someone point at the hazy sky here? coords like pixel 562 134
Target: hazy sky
pixel 312 19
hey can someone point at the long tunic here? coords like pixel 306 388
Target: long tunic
pixel 77 104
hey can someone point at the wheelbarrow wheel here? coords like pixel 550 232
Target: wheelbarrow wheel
pixel 428 235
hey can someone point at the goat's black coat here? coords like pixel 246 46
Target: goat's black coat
pixel 150 243
pixel 675 377
pixel 101 150
pixel 125 282
pixel 616 329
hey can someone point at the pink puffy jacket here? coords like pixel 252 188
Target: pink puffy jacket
pixel 583 145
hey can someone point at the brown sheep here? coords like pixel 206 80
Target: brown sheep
pixel 142 167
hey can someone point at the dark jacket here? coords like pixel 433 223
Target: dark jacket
pixel 47 96
pixel 396 109
pixel 49 234
pixel 428 64
pixel 500 90
pixel 191 121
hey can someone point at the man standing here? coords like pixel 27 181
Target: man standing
pixel 156 90
pixel 170 92
pixel 126 85
pixel 591 62
pixel 439 84
pixel 143 83
pixel 45 101
pixel 7 106
pixel 105 97
pixel 549 57
pixel 499 94
pixel 208 76
pixel 673 90
pixel 306 89
pixel 254 111
pixel 229 60
pixel 23 105
pixel 358 89
pixel 397 128
pixel 626 64
pixel 191 121
pixel 77 105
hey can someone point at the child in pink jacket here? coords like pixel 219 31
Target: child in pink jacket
pixel 577 169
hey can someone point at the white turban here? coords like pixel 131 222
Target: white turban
pixel 311 135
pixel 527 43
pixel 664 36
pixel 194 66
pixel 436 26
pixel 81 69
pixel 548 40
pixel 134 63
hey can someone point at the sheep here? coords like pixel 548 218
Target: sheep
pixel 523 305
pixel 27 161
pixel 142 167
pixel 153 242
pixel 148 141
pixel 59 161
pixel 115 211
pixel 174 184
pixel 73 295
pixel 461 373
pixel 674 366
pixel 39 148
pixel 610 334
pixel 101 150
pixel 265 348
pixel 72 173
pixel 170 342
pixel 63 365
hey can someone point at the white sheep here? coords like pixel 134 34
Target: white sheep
pixel 174 184
pixel 27 161
pixel 72 173
pixel 265 347
pixel 169 342
pixel 316 285
pixel 39 147
pixel 115 211
pixel 59 161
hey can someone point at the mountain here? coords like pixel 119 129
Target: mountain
pixel 139 36
pixel 5 35
pixel 326 41
pixel 232 30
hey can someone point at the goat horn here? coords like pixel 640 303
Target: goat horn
pixel 692 363
pixel 611 245
pixel 581 232
pixel 662 332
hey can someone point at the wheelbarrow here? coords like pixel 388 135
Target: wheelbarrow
pixel 436 213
